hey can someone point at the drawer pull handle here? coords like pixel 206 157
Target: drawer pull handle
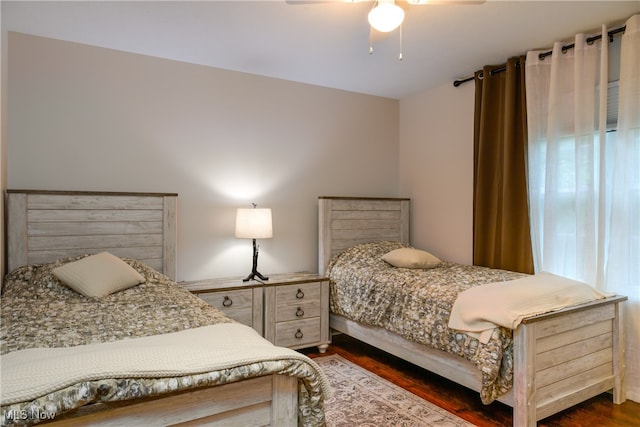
pixel 299 334
pixel 299 294
pixel 299 312
pixel 228 302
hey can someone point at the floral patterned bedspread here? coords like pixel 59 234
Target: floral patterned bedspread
pixel 416 304
pixel 38 311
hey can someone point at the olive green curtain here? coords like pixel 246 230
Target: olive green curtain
pixel 501 236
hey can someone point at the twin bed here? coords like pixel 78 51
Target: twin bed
pixel 549 362
pixel 150 354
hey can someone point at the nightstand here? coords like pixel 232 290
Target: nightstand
pixel 290 310
pixel 241 301
pixel 296 310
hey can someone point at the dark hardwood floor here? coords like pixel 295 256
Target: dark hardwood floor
pixel 596 412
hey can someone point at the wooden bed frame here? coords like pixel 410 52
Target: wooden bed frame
pixel 43 226
pixel 560 358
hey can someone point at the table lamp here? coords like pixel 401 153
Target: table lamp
pixel 254 223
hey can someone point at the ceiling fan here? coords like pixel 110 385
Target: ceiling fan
pixel 386 15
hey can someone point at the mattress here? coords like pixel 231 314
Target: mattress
pixel 416 304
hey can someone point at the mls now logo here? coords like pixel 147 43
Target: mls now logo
pixel 31 414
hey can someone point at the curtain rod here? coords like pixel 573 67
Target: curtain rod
pixel 543 55
pixel 589 41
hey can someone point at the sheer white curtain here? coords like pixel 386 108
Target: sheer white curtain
pixel 584 183
pixel 563 163
pixel 623 266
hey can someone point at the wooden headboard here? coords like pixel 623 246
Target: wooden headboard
pixel 347 221
pixel 43 226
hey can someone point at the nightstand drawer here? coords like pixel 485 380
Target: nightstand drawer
pixel 296 310
pixel 295 294
pixel 299 311
pixel 237 304
pixel 298 333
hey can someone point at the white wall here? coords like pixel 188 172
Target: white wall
pixel 88 118
pixel 436 169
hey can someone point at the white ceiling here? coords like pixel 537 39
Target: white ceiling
pixel 322 43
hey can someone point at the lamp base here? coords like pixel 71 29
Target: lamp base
pixel 254 270
pixel 253 275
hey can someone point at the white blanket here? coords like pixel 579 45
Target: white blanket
pixel 28 374
pixel 479 310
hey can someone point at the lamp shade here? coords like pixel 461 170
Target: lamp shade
pixel 254 223
pixel 386 16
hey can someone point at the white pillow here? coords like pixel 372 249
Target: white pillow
pixel 411 258
pixel 98 275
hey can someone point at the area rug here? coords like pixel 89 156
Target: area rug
pixel 361 398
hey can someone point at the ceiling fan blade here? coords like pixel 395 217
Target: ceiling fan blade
pixel 296 2
pixel 442 2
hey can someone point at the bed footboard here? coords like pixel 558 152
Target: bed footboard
pixel 566 357
pixel 269 400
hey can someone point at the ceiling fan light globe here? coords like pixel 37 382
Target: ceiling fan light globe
pixel 386 17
